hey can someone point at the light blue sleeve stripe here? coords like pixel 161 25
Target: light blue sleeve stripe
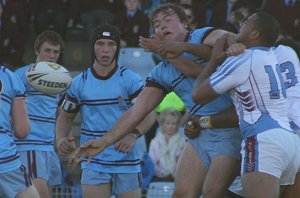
pixel 226 70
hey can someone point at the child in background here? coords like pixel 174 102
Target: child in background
pixel 167 145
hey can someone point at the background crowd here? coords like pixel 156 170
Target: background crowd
pixel 21 20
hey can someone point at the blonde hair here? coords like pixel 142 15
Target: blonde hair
pixel 170 112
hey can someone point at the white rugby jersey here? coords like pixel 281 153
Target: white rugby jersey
pixel 290 70
pixel 257 88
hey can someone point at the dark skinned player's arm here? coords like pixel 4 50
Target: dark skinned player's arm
pixel 186 66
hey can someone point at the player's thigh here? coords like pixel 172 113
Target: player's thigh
pixel 222 171
pixel 260 185
pixel 41 186
pixel 29 192
pixel 95 191
pixel 190 173
pixel 131 194
pixel 292 191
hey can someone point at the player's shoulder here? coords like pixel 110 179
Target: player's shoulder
pixel 22 69
pixel 6 72
pixel 283 49
pixel 125 72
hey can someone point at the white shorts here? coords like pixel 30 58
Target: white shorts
pixel 275 152
pixel 42 164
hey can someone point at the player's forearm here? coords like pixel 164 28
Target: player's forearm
pixel 200 50
pixel 187 67
pixel 63 125
pixel 147 123
pixel 225 119
pixel 126 123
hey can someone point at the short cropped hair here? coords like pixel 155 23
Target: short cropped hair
pixel 268 27
pixel 49 36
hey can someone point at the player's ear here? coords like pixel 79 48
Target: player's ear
pixel 254 35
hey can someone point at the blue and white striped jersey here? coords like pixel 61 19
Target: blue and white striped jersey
pixel 11 87
pixel 257 88
pixel 101 101
pixel 166 77
pixel 41 110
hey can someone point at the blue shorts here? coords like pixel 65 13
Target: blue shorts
pixel 42 164
pixel 212 143
pixel 14 182
pixel 121 182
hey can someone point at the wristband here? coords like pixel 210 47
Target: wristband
pixel 136 132
pixel 205 122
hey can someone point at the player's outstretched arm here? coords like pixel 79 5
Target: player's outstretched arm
pixel 140 116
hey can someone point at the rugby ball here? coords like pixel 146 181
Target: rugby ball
pixel 49 78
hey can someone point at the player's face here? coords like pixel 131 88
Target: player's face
pixel 105 50
pixel 247 27
pixel 48 52
pixel 170 125
pixel 168 26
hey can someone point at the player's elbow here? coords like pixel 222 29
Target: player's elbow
pixel 22 130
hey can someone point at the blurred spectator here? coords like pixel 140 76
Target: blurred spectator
pixel 239 11
pixel 13 27
pixel 171 100
pixel 287 12
pixel 50 14
pixel 198 8
pixel 190 15
pixel 221 11
pixel 132 23
pixel 167 145
pixel 96 12
pixel 152 5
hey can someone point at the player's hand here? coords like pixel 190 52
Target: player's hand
pixel 126 143
pixel 235 49
pixel 219 50
pixel 192 128
pixel 73 161
pixel 66 145
pixel 170 49
pixel 151 44
pixel 90 148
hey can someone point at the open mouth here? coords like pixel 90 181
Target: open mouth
pixel 105 58
pixel 165 34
